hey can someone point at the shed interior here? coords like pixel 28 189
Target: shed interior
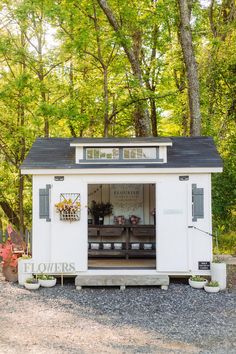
pixel 126 237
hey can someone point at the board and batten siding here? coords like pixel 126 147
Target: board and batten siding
pixel 59 241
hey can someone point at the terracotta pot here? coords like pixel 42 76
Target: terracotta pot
pixel 10 273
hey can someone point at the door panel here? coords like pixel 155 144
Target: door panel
pixel 172 228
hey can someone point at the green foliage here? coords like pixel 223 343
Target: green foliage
pixel 64 72
pixel 45 277
pixel 226 243
pixel 197 278
pixel 213 284
pixel 31 281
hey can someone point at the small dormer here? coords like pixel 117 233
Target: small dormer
pixel 121 150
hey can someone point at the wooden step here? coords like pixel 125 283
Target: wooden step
pixel 121 280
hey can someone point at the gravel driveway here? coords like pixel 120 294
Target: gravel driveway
pixel 107 320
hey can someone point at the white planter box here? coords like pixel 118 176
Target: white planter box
pixel 197 284
pixel 218 273
pixel 47 283
pixel 22 267
pixel 30 286
pixel 212 289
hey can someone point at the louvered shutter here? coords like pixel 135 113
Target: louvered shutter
pixel 44 203
pixel 197 203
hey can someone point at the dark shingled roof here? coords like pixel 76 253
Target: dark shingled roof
pixel 56 153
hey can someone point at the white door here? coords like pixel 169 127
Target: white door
pixel 172 227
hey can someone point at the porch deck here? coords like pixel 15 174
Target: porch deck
pixel 119 263
pixel 122 277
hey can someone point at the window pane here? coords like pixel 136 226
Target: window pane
pixel 102 153
pixel 115 153
pixel 126 154
pixel 133 153
pixel 89 154
pixel 149 153
pixel 96 153
pixel 140 153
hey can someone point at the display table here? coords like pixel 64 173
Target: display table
pixel 126 240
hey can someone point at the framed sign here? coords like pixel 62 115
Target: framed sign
pixel 127 199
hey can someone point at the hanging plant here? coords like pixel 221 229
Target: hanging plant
pixel 68 209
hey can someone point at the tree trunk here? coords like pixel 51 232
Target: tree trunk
pixel 141 116
pixel 106 101
pixel 10 213
pixel 153 116
pixel 20 203
pixel 191 67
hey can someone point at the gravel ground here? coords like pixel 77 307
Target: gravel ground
pixel 107 320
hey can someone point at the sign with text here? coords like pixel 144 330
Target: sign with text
pixel 127 199
pixel 204 265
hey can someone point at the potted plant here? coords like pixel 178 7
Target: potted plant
pixel 99 211
pixel 218 272
pixel 212 287
pixel 134 220
pixel 47 281
pixel 197 282
pixel 31 283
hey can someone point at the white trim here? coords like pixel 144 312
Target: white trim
pixel 123 162
pixel 128 143
pixel 128 271
pixel 120 171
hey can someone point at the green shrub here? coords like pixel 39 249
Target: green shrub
pixel 227 243
pixel 45 277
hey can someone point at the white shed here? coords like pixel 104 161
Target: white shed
pixel 122 211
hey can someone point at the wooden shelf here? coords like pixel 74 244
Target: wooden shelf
pixel 128 233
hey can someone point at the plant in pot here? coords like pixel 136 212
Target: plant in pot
pixel 46 281
pixel 31 283
pixel 212 287
pixel 99 211
pixel 218 272
pixel 197 282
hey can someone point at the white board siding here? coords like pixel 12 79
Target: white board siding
pixel 172 227
pixel 64 242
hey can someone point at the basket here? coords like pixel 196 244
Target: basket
pixel 66 215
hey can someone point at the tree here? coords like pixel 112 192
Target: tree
pixel 133 51
pixel 191 66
